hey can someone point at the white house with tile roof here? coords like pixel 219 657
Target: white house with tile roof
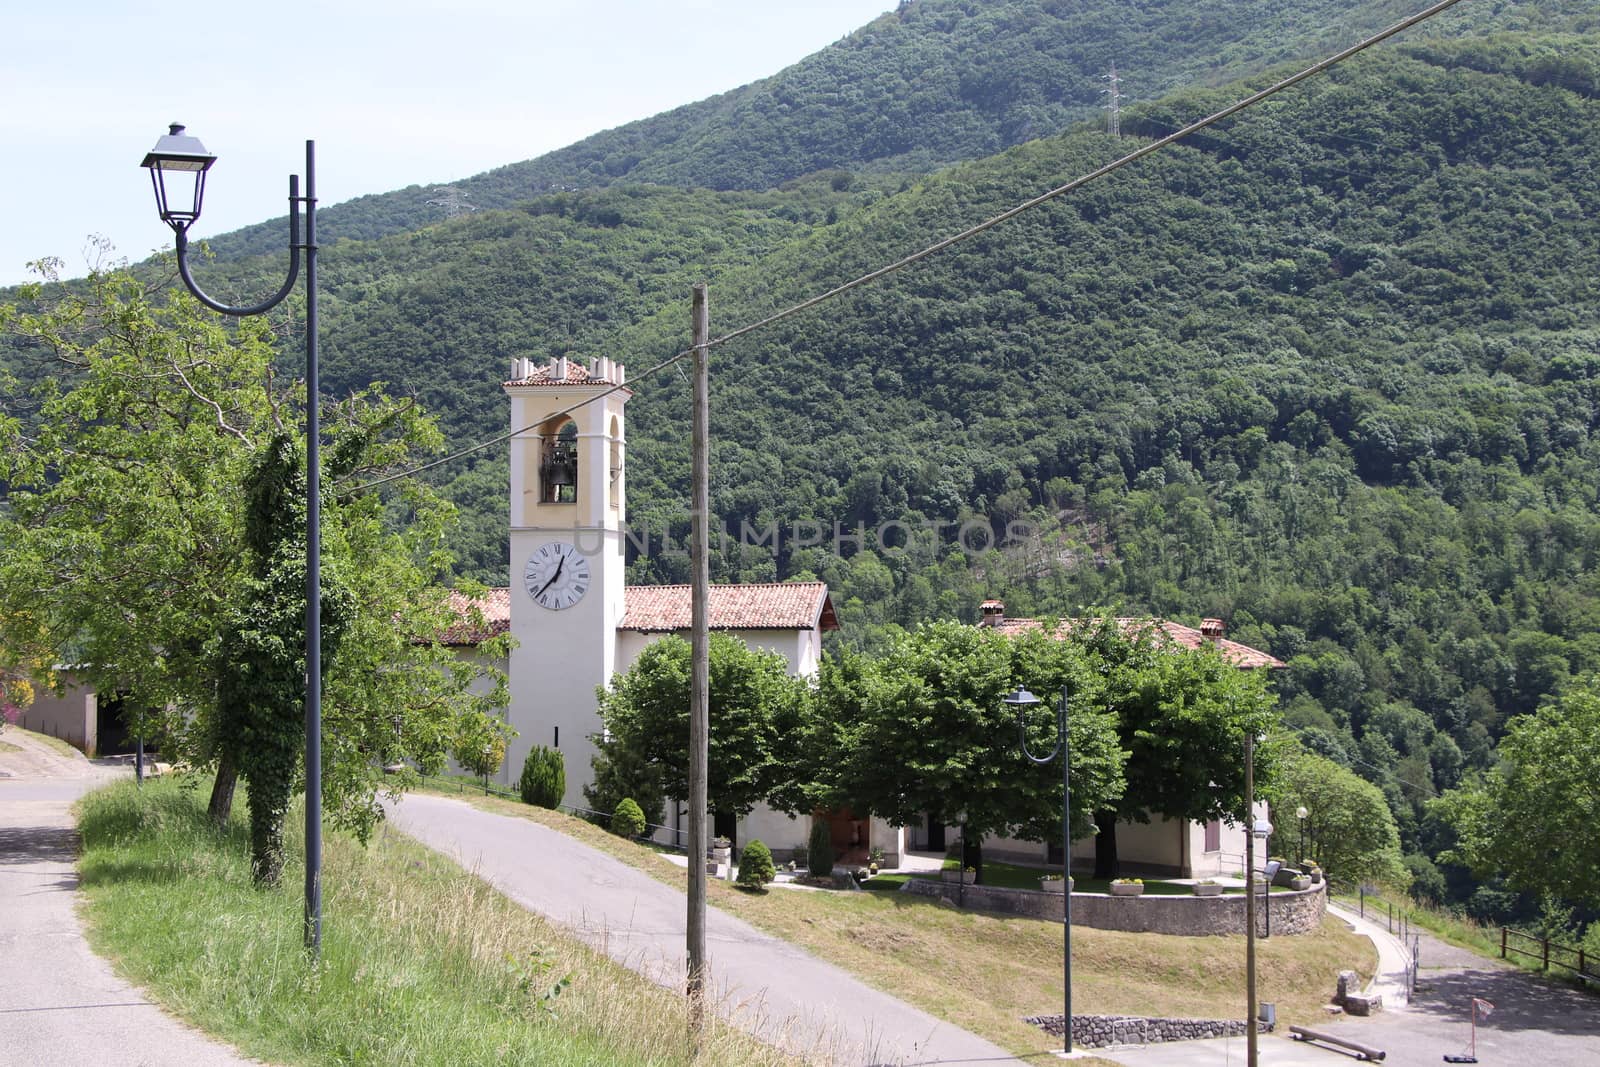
pixel 1174 847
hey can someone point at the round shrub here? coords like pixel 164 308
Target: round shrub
pixel 628 819
pixel 755 866
pixel 819 849
pixel 544 778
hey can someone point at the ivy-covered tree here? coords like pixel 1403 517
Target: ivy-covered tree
pixel 155 536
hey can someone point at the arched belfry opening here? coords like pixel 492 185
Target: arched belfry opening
pixel 616 462
pixel 558 464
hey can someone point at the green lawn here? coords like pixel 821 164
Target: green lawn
pixel 422 963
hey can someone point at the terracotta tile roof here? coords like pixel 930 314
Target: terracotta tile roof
pixel 758 606
pixel 1242 656
pixel 495 606
pixel 663 608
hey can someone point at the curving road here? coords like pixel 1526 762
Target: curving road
pixel 775 989
pixel 60 1004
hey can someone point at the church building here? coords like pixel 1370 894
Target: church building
pixel 575 620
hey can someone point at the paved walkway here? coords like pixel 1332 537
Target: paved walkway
pixel 1534 1024
pixel 770 987
pixel 60 1004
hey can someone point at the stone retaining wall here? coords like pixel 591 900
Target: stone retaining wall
pixel 1099 1031
pixel 1292 912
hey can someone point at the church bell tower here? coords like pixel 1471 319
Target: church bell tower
pixel 568 509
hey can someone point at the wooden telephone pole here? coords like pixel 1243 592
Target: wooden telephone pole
pixel 700 670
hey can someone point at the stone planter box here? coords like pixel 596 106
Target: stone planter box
pixel 1300 884
pixel 1054 885
pixel 1208 890
pixel 1126 890
pixel 965 877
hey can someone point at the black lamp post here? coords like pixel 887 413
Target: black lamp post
pixel 1301 813
pixel 1020 701
pixel 178 165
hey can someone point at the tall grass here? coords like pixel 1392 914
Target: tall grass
pixel 422 963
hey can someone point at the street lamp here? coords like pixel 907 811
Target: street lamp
pixel 178 166
pixel 1262 830
pixel 1252 824
pixel 1301 813
pixel 1020 701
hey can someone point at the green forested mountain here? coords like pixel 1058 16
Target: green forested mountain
pixel 930 83
pixel 1330 371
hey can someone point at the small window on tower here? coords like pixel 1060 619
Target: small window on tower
pixel 616 463
pixel 558 471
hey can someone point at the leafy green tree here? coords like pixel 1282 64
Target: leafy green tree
pixel 646 716
pixel 925 731
pixel 155 499
pixel 544 777
pixel 1531 818
pixel 1349 828
pixel 480 746
pixel 1182 716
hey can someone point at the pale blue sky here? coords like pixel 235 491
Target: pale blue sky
pixel 394 92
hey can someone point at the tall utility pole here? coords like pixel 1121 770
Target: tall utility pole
pixel 700 668
pixel 1251 1053
pixel 1113 105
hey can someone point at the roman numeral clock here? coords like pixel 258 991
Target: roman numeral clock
pixel 557 575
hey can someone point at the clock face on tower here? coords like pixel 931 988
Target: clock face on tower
pixel 557 575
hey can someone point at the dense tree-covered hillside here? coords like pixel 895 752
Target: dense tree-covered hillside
pixel 934 82
pixel 1330 371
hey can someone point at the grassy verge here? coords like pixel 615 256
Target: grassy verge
pixel 987 972
pixel 422 963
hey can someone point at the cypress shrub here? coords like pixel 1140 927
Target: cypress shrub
pixel 544 778
pixel 819 849
pixel 755 866
pixel 628 819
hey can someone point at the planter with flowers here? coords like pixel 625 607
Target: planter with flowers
pixel 1127 887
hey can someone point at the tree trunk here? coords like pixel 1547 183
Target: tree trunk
pixel 972 855
pixel 221 806
pixel 269 806
pixel 1105 845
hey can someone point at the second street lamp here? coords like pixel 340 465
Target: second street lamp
pixel 178 165
pixel 1020 701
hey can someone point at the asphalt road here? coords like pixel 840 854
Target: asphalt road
pixel 776 990
pixel 60 1004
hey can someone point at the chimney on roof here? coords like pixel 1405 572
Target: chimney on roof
pixel 1213 629
pixel 991 613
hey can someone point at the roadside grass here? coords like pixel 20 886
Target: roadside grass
pixel 422 963
pixel 7 746
pixel 986 972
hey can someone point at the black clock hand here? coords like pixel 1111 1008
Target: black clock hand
pixel 561 564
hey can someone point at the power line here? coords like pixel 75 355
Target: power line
pixel 971 231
